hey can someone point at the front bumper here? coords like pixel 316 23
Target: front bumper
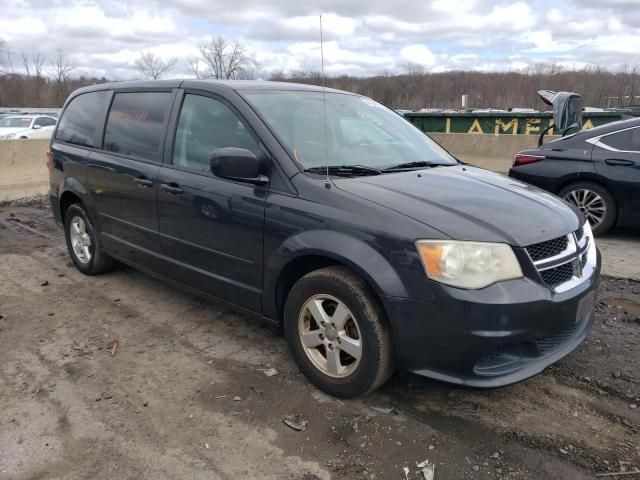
pixel 491 337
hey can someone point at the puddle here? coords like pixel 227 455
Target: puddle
pixel 632 307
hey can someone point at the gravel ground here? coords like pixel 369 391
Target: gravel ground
pixel 185 393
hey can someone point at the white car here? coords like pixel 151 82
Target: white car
pixel 27 126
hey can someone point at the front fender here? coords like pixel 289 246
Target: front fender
pixel 345 249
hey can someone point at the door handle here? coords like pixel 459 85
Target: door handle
pixel 619 162
pixel 173 189
pixel 143 182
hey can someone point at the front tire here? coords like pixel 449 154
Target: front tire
pixel 595 202
pixel 338 333
pixel 82 242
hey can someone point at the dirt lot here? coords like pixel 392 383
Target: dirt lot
pixel 185 395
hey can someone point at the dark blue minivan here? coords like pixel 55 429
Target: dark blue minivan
pixel 329 215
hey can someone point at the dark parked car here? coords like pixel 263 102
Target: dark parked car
pixel 597 170
pixel 331 216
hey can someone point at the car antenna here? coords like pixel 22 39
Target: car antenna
pixel 327 182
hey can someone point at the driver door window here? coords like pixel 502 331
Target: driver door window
pixel 206 124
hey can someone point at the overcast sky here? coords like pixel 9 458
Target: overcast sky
pixel 362 37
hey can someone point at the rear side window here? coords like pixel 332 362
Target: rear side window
pixel 135 126
pixel 82 117
pixel 619 140
pixel 45 121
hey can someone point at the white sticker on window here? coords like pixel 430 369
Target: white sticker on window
pixel 372 103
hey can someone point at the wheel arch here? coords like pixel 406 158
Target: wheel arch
pixel 313 250
pixel 71 191
pixel 67 199
pixel 596 179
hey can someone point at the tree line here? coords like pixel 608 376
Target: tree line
pixel 35 80
pixel 31 79
pixel 416 88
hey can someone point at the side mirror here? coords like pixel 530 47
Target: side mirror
pixel 238 164
pixel 37 127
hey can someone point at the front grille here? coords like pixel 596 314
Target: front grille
pixel 557 275
pixel 547 249
pixel 551 343
pixel 563 255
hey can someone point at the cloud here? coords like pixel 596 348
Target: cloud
pixel 419 54
pixel 104 37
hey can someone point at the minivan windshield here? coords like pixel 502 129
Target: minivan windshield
pixel 359 131
pixel 15 122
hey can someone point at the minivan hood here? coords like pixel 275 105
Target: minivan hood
pixel 469 203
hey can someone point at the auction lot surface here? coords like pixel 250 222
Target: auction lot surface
pixel 184 394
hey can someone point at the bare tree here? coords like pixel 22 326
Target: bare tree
pixel 228 60
pixel 415 69
pixel 194 67
pixel 37 60
pixel 25 62
pixel 152 66
pixel 61 67
pixel 5 58
pixel 34 59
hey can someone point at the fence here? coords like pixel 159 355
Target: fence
pixel 498 123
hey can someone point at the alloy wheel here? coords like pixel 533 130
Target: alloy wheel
pixel 330 336
pixel 590 204
pixel 80 239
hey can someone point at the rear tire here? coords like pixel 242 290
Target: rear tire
pixel 82 242
pixel 351 354
pixel 595 202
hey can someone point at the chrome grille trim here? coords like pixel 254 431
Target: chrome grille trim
pixel 575 253
pixel 559 258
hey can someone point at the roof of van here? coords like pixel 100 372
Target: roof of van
pixel 203 84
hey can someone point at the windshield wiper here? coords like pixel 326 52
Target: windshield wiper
pixel 345 170
pixel 411 166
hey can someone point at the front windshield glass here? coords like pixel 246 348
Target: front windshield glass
pixel 360 131
pixel 15 122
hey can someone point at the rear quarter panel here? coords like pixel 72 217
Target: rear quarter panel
pixel 561 166
pixel 68 172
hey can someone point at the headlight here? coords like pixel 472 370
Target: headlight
pixel 9 136
pixel 468 265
